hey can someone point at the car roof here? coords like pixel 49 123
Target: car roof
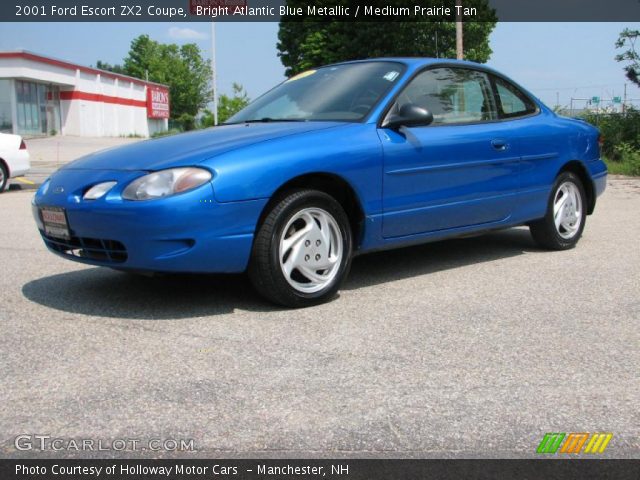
pixel 414 61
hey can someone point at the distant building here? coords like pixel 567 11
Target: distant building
pixel 41 96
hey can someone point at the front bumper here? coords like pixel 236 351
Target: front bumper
pixel 189 233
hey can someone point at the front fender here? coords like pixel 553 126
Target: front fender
pixel 350 151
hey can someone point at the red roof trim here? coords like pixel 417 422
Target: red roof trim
pixel 72 66
pixel 97 97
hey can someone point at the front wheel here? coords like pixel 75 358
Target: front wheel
pixel 302 250
pixel 562 226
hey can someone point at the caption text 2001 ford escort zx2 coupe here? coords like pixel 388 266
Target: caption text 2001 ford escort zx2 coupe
pixel 345 159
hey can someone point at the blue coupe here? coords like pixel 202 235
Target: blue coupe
pixel 337 161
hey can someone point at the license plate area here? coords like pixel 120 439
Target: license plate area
pixel 55 222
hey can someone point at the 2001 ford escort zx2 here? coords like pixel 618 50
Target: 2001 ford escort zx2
pixel 345 159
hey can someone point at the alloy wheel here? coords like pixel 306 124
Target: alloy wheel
pixel 311 250
pixel 567 210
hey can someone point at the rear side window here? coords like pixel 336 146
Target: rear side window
pixel 512 103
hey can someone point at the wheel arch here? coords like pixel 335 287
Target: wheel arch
pixel 331 184
pixel 578 168
pixel 6 167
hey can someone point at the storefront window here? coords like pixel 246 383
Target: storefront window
pixel 38 108
pixel 6 123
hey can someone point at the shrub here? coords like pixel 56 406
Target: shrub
pixel 617 129
pixel 187 121
pixel 629 159
pixel 165 133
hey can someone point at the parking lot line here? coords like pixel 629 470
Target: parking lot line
pixel 25 181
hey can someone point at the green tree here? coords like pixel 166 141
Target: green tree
pixel 181 67
pixel 111 68
pixel 228 106
pixel 311 43
pixel 628 40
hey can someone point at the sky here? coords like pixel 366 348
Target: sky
pixel 552 60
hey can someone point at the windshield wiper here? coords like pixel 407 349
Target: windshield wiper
pixel 269 120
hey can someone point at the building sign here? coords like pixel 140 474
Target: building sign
pixel 157 102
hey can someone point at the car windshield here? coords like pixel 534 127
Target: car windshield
pixel 344 93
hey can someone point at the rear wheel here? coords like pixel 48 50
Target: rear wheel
pixel 302 250
pixel 562 226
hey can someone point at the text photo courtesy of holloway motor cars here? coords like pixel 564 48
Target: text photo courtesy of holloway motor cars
pixel 300 239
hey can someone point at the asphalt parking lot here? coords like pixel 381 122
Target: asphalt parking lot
pixel 467 348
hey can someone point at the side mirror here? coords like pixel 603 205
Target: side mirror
pixel 409 115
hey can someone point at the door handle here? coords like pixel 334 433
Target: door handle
pixel 499 144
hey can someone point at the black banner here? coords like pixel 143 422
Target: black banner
pixel 314 469
pixel 318 10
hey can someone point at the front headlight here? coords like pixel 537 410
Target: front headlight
pixel 165 183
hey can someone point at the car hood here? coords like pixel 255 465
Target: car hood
pixel 193 147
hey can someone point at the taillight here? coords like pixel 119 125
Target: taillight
pixel 23 146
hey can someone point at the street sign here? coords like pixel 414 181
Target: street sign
pixel 595 100
pixel 617 99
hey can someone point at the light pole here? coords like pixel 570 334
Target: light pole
pixel 215 73
pixel 459 44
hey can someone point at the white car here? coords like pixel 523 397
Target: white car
pixel 14 158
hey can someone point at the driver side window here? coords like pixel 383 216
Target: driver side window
pixel 452 95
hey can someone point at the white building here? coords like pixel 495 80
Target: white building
pixel 44 96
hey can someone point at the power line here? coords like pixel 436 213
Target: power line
pixel 620 85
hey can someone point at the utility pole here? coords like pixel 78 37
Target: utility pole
pixel 459 44
pixel 624 99
pixel 571 108
pixel 215 73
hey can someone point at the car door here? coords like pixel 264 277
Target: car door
pixel 459 171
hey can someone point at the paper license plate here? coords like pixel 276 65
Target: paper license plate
pixel 55 222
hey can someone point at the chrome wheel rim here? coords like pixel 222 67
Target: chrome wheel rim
pixel 311 250
pixel 567 210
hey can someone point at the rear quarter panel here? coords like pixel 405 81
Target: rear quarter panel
pixel 17 160
pixel 547 145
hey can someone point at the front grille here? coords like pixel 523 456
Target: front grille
pixel 107 251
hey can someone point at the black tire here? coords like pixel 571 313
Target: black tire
pixel 544 231
pixel 4 177
pixel 265 270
